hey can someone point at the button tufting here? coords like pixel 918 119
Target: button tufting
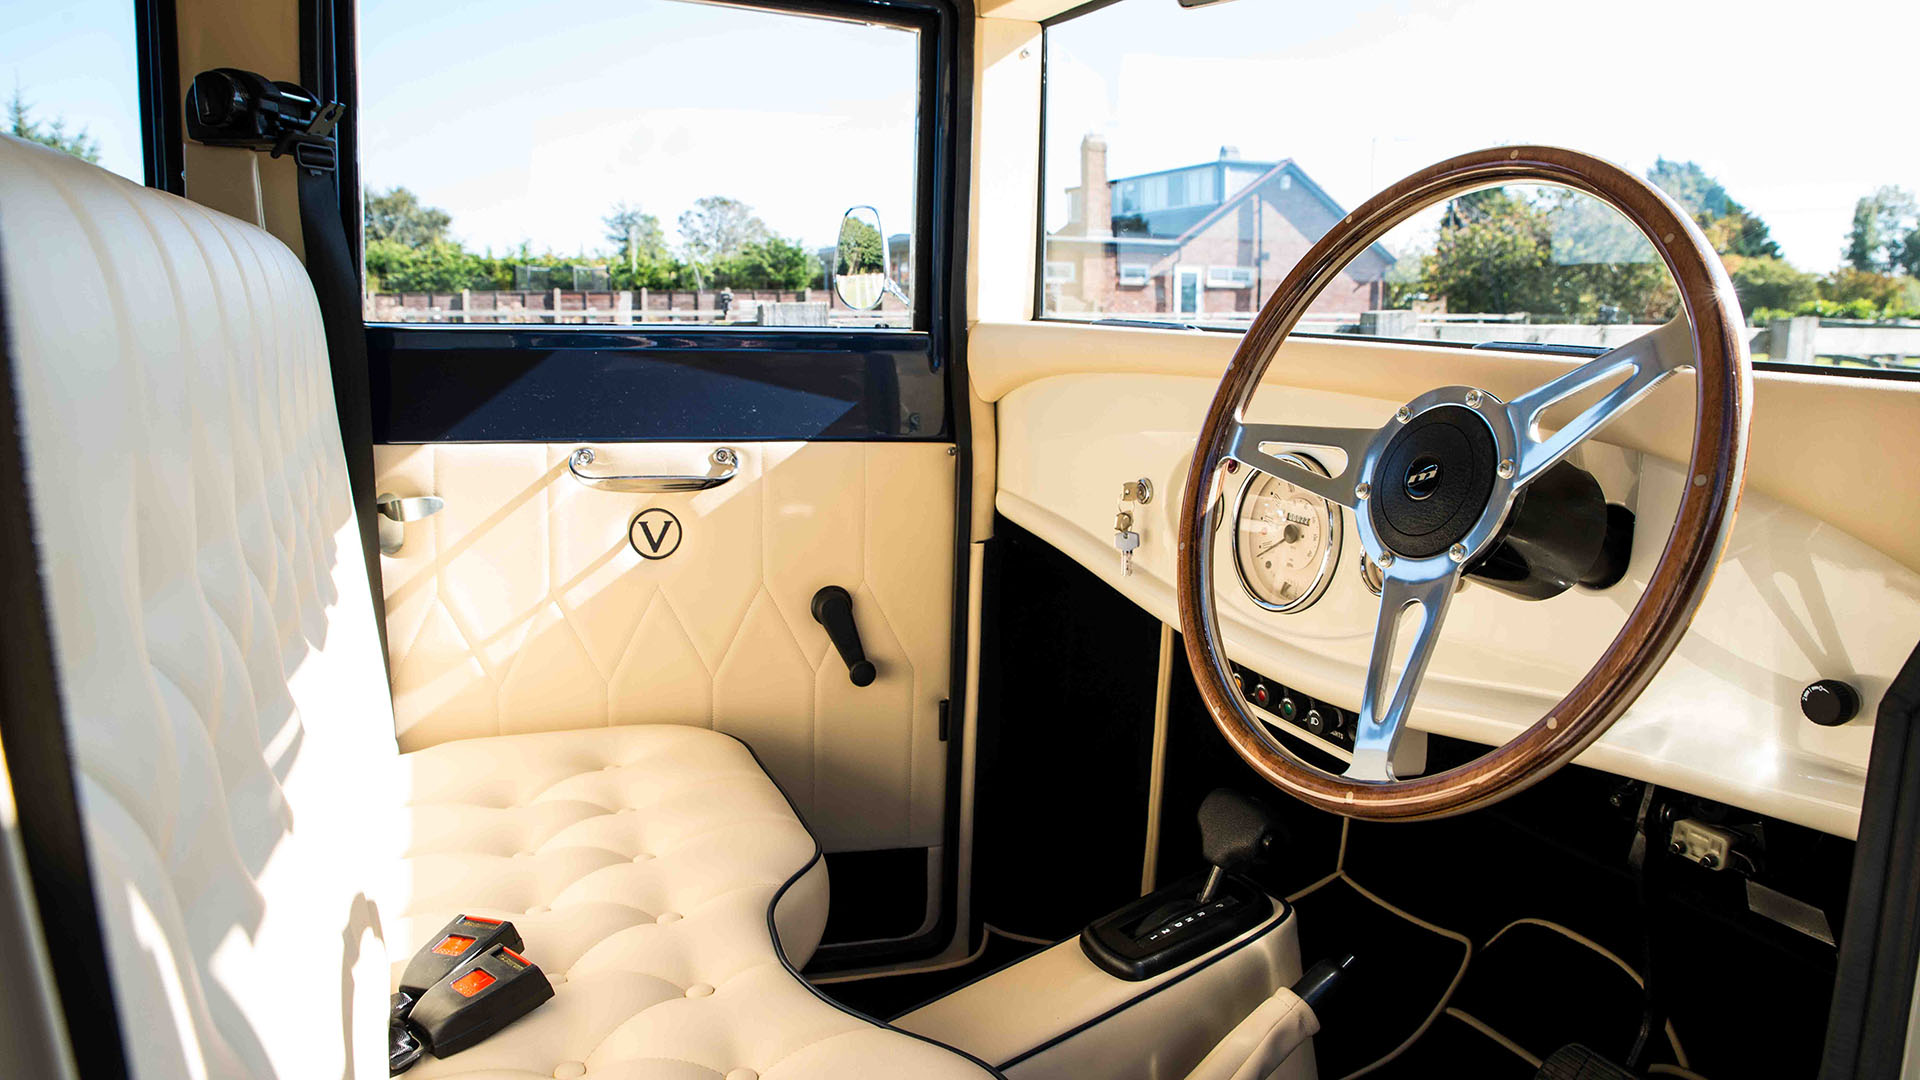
pixel 668 917
pixel 642 857
pixel 699 990
pixel 566 1070
pixel 538 909
pixel 742 1074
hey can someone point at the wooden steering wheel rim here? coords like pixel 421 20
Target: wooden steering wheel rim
pixel 1723 384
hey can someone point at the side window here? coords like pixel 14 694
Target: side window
pixel 71 80
pixel 646 162
pixel 1168 209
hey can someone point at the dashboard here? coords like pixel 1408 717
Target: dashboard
pixel 1796 600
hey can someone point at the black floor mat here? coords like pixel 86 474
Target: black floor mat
pixel 1543 989
pixel 1450 1048
pixel 888 996
pixel 1400 972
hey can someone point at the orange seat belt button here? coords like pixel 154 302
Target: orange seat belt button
pixel 472 982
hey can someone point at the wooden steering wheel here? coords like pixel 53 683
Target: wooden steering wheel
pixel 1467 456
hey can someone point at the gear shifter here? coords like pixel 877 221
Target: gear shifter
pixel 1172 925
pixel 1234 830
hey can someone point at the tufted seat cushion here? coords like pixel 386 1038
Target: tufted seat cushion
pixel 247 817
pixel 641 864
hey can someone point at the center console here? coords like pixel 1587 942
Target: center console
pixel 1149 990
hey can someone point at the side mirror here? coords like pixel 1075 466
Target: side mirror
pixel 860 275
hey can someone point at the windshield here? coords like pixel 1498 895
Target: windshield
pixel 1192 156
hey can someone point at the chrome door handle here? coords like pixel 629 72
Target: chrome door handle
pixel 399 509
pixel 725 463
pixel 395 512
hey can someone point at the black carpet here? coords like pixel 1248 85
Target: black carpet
pixel 1543 990
pixel 1400 972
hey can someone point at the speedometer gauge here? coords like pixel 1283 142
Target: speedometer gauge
pixel 1286 540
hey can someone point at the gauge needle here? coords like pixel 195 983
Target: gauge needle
pixel 1270 547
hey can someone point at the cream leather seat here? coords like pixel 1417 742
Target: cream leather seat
pixel 263 858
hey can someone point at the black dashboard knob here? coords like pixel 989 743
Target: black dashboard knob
pixel 1829 702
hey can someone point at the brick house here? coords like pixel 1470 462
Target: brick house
pixel 1213 239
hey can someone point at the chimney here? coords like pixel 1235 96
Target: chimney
pixel 1096 198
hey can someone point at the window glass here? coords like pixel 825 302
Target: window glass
pixel 1193 156
pixel 71 76
pixel 642 162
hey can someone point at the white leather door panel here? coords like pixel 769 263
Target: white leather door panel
pixel 522 606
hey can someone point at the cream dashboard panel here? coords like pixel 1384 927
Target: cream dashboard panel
pixel 1795 600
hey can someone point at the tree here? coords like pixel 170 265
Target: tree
pixel 719 228
pixel 397 215
pixel 862 250
pixel 22 124
pixel 1771 283
pixel 1690 186
pixel 1730 227
pixel 1491 255
pixel 635 236
pixel 773 263
pixel 1885 227
pixel 1558 253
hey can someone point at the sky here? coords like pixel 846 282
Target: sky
pixel 528 121
pixel 1799 109
pixel 74 59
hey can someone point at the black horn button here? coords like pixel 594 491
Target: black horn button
pixel 1432 483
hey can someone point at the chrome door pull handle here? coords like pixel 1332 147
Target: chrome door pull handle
pixel 725 463
pixel 399 509
pixel 396 511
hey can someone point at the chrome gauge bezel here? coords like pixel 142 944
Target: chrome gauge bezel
pixel 1329 560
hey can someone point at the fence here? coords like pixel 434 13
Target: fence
pixel 626 307
pixel 1806 340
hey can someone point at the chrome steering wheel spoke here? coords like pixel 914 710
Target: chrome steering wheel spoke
pixel 1647 359
pixel 1425 584
pixel 1245 442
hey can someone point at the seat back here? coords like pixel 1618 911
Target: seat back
pixel 220 676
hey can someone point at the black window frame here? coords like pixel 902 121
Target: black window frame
pixel 157 53
pixel 1173 320
pixel 396 349
pixel 934 24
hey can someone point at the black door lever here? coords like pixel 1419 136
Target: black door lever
pixel 833 609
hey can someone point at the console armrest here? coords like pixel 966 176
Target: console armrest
pixel 1056 1014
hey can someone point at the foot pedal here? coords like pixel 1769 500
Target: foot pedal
pixel 1576 1062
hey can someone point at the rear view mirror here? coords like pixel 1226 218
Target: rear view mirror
pixel 860 276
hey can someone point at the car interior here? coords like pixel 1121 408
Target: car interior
pixel 1131 540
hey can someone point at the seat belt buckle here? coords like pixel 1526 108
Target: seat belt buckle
pixel 484 993
pixel 466 936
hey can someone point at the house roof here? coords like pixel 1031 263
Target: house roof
pixel 1239 162
pixel 1285 165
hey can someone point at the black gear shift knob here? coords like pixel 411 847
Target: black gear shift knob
pixel 1234 830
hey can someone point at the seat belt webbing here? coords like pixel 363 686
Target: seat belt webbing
pixel 336 284
pixel 244 109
